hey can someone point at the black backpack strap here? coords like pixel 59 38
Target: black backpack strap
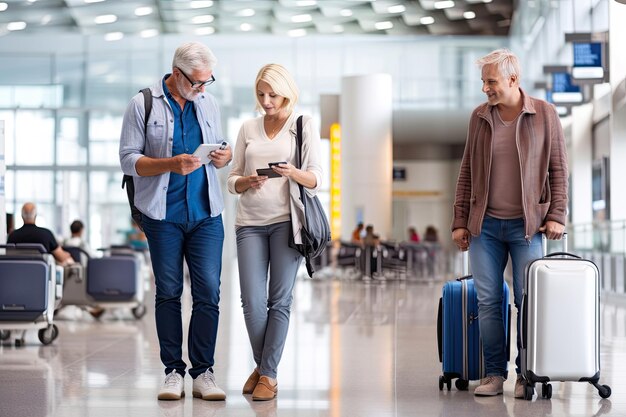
pixel 147 102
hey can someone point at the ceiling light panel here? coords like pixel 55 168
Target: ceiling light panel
pixel 104 19
pixel 200 4
pixel 301 18
pixel 439 5
pixel 13 26
pixel 143 11
pixel 202 19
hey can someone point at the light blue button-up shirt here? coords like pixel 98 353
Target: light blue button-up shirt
pixel 157 141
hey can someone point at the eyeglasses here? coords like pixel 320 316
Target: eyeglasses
pixel 197 84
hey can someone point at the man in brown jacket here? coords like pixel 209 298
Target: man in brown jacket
pixel 512 185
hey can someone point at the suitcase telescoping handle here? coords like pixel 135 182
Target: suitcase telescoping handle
pixel 564 252
pixel 466 272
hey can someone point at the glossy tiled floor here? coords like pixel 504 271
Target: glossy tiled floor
pixel 355 350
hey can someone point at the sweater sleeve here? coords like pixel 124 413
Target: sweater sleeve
pixel 239 162
pixel 311 150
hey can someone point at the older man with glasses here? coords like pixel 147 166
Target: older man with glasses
pixel 181 205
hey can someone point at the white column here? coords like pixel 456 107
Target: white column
pixel 580 167
pixel 366 153
pixel 617 34
pixel 3 208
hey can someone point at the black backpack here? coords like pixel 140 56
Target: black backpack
pixel 127 180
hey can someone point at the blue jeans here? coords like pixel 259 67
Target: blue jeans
pixel 267 306
pixel 489 254
pixel 200 243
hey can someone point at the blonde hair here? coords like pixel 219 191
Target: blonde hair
pixel 281 82
pixel 505 60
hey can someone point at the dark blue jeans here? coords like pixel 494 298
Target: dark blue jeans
pixel 200 243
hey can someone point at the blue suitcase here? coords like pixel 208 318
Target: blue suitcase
pixel 460 347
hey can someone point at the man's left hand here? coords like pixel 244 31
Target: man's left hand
pixel 221 157
pixel 553 230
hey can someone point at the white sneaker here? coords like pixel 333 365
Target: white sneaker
pixel 204 387
pixel 173 387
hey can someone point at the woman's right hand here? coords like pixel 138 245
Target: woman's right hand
pixel 256 181
pixel 251 181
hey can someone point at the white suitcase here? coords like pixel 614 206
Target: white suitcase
pixel 561 323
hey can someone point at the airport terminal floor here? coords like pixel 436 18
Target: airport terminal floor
pixel 355 349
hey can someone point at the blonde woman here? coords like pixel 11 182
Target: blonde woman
pixel 269 215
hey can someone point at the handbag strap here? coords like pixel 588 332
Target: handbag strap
pixel 299 157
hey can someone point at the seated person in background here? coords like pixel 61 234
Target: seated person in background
pixel 135 237
pixel 356 234
pixel 30 233
pixel 413 236
pixel 10 223
pixel 431 234
pixel 370 238
pixel 76 228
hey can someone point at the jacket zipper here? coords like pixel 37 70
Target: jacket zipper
pixel 519 157
pixel 482 214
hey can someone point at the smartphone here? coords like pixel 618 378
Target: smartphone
pixel 268 172
pixel 271 164
pixel 203 151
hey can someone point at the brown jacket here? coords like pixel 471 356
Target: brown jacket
pixel 543 166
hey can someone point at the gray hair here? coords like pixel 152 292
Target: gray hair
pixel 505 60
pixel 281 82
pixel 194 56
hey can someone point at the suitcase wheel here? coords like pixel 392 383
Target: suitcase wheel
pixel 5 334
pixel 47 335
pixel 529 390
pixel 139 311
pixel 546 390
pixel 605 391
pixel 444 380
pixel 461 384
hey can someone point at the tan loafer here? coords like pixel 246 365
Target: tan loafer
pixel 250 384
pixel 265 389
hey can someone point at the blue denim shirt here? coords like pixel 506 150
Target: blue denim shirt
pixel 157 142
pixel 187 196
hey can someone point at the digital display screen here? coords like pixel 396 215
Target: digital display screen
pixel 562 83
pixel 588 61
pixel 588 54
pixel 399 174
pixel 563 91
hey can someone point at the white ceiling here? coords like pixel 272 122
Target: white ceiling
pixel 280 17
